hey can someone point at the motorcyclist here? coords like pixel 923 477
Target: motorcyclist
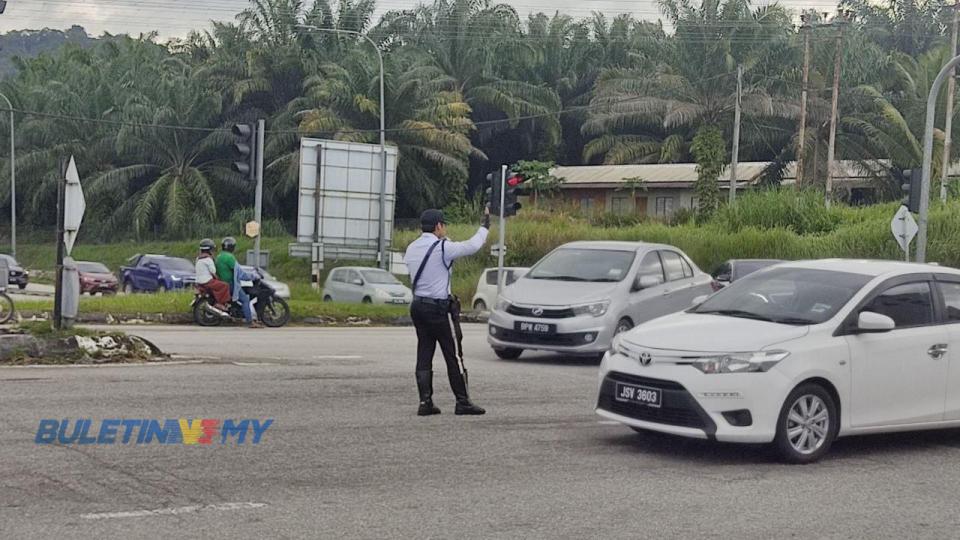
pixel 207 281
pixel 229 272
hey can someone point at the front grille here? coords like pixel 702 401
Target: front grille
pixel 679 408
pixel 512 336
pixel 562 313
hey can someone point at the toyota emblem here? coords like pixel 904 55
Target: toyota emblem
pixel 537 311
pixel 645 359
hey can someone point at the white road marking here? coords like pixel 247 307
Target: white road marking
pixel 106 365
pixel 175 511
pixel 608 423
pixel 252 364
pixel 338 357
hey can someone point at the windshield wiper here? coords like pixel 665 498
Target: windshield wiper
pixel 737 313
pixel 603 280
pixel 560 278
pixel 794 320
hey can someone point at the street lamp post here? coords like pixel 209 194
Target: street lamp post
pixel 381 244
pixel 13 184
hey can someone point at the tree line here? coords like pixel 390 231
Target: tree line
pixel 469 84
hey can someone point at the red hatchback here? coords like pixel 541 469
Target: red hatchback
pixel 96 278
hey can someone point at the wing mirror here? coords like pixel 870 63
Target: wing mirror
pixel 358 282
pixel 645 282
pixel 700 299
pixel 870 322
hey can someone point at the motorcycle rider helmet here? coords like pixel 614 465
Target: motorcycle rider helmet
pixel 229 244
pixel 207 245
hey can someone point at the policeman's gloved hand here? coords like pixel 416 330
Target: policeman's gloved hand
pixel 485 222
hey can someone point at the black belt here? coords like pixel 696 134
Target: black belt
pixel 435 301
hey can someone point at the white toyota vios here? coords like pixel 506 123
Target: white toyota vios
pixel 796 355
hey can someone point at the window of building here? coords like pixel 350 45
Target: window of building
pixel 620 205
pixel 694 203
pixel 586 204
pixel 664 206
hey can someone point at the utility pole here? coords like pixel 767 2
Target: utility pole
pixel 833 108
pixel 948 123
pixel 802 137
pixel 258 197
pixel 736 136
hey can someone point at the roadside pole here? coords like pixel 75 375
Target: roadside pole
pixel 921 255
pixel 948 121
pixel 736 137
pixel 503 228
pixel 258 200
pixel 61 207
pixel 835 100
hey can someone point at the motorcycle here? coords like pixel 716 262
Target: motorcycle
pixel 274 313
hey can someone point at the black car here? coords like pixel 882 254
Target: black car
pixel 734 269
pixel 18 276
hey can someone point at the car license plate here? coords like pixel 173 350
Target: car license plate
pixel 397 301
pixel 642 395
pixel 535 327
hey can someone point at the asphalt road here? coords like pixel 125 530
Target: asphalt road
pixel 347 458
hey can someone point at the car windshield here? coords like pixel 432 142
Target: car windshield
pixel 573 264
pixel 92 268
pixel 176 264
pixel 797 296
pixel 379 277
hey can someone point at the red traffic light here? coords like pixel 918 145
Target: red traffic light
pixel 515 180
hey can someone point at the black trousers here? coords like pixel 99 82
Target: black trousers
pixel 435 326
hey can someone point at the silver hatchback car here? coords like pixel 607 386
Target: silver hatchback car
pixel 583 293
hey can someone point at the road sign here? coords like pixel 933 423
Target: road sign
pixel 74 206
pixel 253 229
pixel 904 228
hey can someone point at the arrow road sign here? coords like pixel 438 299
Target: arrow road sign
pixel 904 228
pixel 74 206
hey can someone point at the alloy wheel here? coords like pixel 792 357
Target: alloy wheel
pixel 808 424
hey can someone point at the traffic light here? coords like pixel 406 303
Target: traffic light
pixel 510 203
pixel 244 150
pixel 912 180
pixel 493 193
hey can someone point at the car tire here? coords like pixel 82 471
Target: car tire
pixel 128 288
pixel 366 300
pixel 22 286
pixel 508 354
pixel 623 325
pixel 479 305
pixel 327 298
pixel 816 431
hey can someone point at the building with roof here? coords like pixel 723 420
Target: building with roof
pixel 659 190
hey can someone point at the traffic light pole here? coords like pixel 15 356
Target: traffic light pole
pixel 61 207
pixel 921 255
pixel 258 198
pixel 502 231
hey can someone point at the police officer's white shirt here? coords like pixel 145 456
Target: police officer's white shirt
pixel 435 280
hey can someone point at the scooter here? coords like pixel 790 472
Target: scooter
pixel 275 311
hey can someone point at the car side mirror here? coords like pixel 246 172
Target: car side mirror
pixel 645 282
pixel 700 299
pixel 723 278
pixel 358 282
pixel 870 322
pixel 153 266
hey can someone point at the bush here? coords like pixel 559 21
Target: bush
pixel 801 212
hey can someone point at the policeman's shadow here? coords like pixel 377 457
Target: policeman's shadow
pixel 552 360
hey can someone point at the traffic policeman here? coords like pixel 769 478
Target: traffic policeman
pixel 435 311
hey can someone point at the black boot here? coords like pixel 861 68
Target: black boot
pixel 464 405
pixel 425 386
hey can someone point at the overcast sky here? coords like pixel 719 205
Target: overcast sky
pixel 177 17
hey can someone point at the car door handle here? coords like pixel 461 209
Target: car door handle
pixel 937 350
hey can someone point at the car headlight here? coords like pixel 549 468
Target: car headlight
pixel 175 278
pixel 597 309
pixel 502 305
pixel 382 293
pixel 749 362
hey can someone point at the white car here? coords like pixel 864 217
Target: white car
pixel 796 355
pixel 486 296
pixel 280 288
pixel 361 284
